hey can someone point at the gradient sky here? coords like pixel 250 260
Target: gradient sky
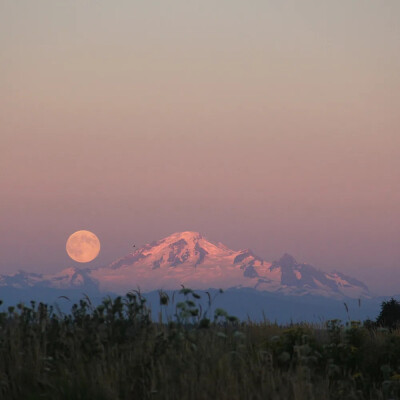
pixel 272 125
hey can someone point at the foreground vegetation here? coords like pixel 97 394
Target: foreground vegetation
pixel 115 351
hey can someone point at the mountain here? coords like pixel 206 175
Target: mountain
pixel 69 278
pixel 189 259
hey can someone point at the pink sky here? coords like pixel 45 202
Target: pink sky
pixel 272 125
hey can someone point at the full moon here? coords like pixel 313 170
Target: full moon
pixel 83 246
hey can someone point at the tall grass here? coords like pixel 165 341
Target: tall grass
pixel 115 351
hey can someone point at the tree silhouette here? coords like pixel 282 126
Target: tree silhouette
pixel 389 316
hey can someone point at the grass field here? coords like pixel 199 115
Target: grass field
pixel 115 351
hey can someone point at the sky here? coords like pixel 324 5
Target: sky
pixel 270 125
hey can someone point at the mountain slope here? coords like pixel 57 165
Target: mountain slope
pixel 189 259
pixel 69 278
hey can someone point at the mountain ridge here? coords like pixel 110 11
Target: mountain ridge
pixel 188 258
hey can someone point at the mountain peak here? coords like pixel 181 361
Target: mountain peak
pixel 287 261
pixel 188 258
pixel 189 235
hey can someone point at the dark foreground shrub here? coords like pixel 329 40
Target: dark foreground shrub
pixel 115 351
pixel 389 316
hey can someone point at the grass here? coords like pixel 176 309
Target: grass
pixel 115 351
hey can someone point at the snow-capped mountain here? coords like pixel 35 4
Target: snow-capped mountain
pixel 306 278
pixel 69 278
pixel 189 259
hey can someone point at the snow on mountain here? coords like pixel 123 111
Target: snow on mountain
pixel 69 278
pixel 304 278
pixel 21 280
pixel 189 259
pixel 183 258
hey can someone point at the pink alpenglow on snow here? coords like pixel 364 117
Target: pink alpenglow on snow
pixel 189 259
